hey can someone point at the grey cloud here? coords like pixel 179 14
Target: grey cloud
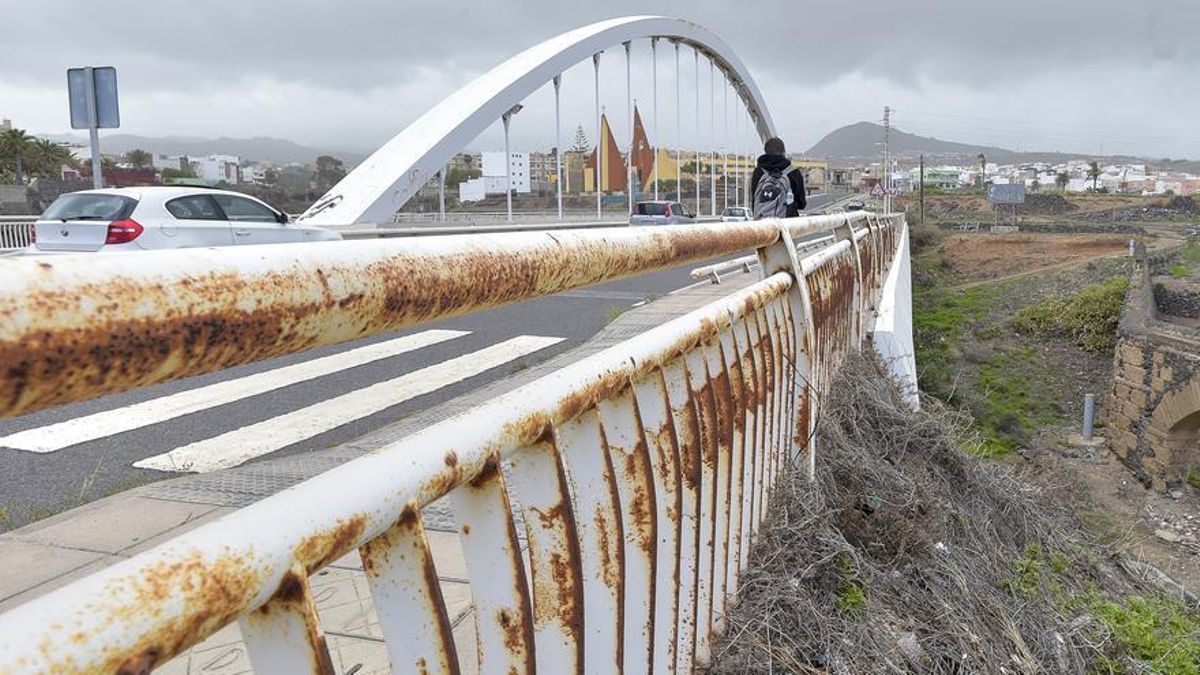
pixel 388 61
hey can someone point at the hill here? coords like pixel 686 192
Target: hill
pixel 260 148
pixel 859 140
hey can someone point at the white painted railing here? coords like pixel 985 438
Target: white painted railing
pixel 640 474
pixel 16 232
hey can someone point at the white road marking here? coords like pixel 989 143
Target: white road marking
pixel 70 432
pixel 239 445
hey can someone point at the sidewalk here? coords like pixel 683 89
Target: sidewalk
pixel 47 554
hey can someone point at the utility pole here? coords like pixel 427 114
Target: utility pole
pixel 922 189
pixel 886 179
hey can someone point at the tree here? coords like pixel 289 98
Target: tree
pixel 1094 174
pixel 139 159
pixel 46 158
pixel 178 173
pixel 456 175
pixel 1035 185
pixel 581 142
pixel 14 145
pixel 982 169
pixel 330 170
pixel 1062 180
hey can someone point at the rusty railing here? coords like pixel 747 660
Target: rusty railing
pixel 606 510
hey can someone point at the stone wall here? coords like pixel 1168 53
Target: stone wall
pixel 1152 411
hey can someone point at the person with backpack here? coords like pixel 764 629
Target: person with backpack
pixel 776 187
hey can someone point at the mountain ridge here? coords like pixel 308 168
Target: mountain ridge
pixel 256 148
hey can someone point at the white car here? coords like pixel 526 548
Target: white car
pixel 735 214
pixel 141 218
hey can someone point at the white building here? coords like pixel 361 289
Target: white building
pixel 254 174
pixel 216 168
pixel 493 167
pixel 176 162
pixel 494 180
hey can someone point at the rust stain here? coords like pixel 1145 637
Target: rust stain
pixel 689 444
pixel 214 594
pixel 376 553
pixel 191 322
pixel 319 550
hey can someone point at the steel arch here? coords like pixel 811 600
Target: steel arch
pixel 376 189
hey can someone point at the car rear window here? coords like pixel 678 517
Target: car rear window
pixel 90 207
pixel 651 209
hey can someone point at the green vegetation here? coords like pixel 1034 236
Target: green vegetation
pixel 1180 271
pixel 852 590
pixel 940 320
pixel 1159 632
pixel 1193 477
pixel 1017 396
pixel 1089 319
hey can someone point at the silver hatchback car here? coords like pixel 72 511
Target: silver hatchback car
pixel 140 218
pixel 660 213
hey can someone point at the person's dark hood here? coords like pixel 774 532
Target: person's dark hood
pixel 774 162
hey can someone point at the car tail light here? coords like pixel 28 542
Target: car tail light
pixel 123 231
pixel 667 210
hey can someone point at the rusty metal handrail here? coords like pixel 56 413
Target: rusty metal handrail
pixel 642 473
pixel 72 332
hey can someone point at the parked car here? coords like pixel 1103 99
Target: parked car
pixel 735 214
pixel 140 218
pixel 855 205
pixel 660 213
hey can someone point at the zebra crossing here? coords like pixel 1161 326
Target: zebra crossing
pixel 262 437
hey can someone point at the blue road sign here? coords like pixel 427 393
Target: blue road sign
pixel 104 82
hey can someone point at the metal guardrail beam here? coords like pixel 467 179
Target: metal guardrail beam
pixel 642 473
pixel 73 332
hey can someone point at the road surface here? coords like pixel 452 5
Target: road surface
pixel 65 457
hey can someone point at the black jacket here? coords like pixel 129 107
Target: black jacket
pixel 781 163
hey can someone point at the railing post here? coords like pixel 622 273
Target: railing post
pixel 845 231
pixel 799 376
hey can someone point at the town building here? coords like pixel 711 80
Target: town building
pixel 214 169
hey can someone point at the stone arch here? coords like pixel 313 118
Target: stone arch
pixel 1174 430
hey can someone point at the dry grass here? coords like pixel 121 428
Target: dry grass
pixel 909 555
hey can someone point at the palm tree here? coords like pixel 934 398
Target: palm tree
pixel 1093 174
pixel 139 159
pixel 982 169
pixel 15 144
pixel 1062 180
pixel 47 158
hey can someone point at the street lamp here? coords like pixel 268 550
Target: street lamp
pixel 508 157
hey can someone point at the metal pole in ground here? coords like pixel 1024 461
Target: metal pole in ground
pixel 629 109
pixel 657 144
pixel 558 143
pixel 1089 413
pixel 678 132
pixel 442 194
pixel 922 189
pixel 599 154
pixel 696 54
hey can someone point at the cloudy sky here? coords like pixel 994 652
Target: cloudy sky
pixel 1093 76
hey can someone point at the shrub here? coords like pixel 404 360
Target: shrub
pixel 1089 319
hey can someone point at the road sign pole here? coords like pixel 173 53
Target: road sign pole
pixel 93 133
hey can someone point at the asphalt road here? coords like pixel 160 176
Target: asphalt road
pixel 64 457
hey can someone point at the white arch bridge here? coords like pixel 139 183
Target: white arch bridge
pixel 381 185
pixel 606 511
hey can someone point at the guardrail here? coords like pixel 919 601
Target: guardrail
pixel 747 263
pixel 16 232
pixel 639 475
